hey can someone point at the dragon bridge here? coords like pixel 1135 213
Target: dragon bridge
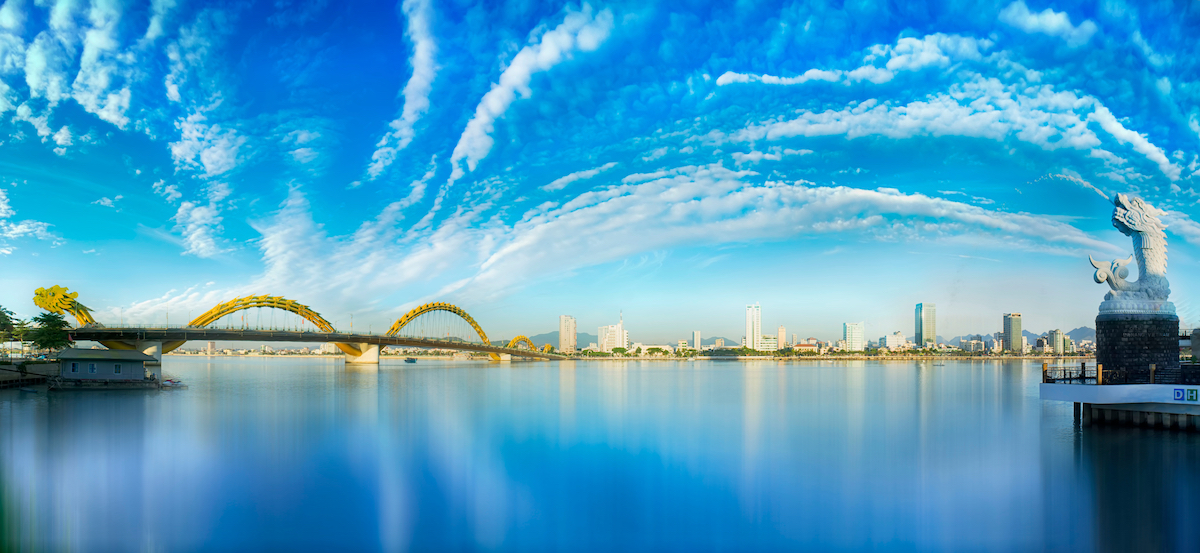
pixel 58 299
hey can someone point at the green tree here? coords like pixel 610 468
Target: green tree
pixel 6 320
pixel 51 332
pixel 20 331
pixel 620 350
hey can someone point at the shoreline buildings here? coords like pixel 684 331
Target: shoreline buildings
pixel 926 325
pixel 696 340
pixel 566 334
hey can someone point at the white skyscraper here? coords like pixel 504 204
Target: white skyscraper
pixel 754 326
pixel 613 336
pixel 696 340
pixel 566 334
pixel 781 338
pixel 852 334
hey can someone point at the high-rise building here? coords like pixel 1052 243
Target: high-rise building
pixel 212 348
pixel 852 334
pixel 566 334
pixel 719 343
pixel 754 326
pixel 926 325
pixel 781 338
pixel 1058 341
pixel 613 336
pixel 696 340
pixel 1012 333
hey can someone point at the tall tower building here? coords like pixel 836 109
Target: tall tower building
pixel 781 338
pixel 1012 333
pixel 566 334
pixel 926 324
pixel 696 340
pixel 754 326
pixel 852 334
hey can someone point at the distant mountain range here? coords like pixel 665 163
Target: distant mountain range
pixel 1081 333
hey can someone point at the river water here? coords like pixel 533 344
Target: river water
pixel 306 454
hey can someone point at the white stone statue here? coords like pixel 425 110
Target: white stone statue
pixel 1148 294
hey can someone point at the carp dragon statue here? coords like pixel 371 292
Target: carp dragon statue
pixel 1148 294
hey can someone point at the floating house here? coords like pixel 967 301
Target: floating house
pixel 105 367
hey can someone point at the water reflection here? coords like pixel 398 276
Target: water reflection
pixel 308 454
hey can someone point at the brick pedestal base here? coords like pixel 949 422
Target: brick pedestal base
pixel 1128 344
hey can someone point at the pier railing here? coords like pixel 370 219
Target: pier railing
pixel 1069 374
pixel 1187 373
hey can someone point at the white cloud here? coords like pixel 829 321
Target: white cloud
pixel 562 182
pixel 46 64
pixel 108 202
pixel 40 123
pixel 63 136
pixel 730 77
pixel 6 209
pixel 160 10
pixel 655 154
pixel 101 66
pixel 1140 144
pixel 984 108
pixel 482 257
pixel 1182 225
pixel 11 230
pixel 1048 22
pixel 211 147
pixel 579 31
pixel 200 224
pixel 168 191
pixel 908 54
pixel 416 92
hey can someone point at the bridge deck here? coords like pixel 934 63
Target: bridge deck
pixel 98 334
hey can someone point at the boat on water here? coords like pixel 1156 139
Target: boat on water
pixel 410 359
pixel 173 383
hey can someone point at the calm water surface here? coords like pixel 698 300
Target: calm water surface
pixel 305 454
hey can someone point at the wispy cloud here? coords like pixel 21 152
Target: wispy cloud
pixel 581 31
pixel 416 93
pixel 562 182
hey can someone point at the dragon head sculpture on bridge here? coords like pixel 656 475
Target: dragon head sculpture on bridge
pixel 1140 221
pixel 57 299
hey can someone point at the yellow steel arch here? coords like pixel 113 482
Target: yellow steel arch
pixel 522 340
pixel 237 304
pixel 278 302
pixel 547 348
pixel 57 299
pixel 440 306
pixel 436 306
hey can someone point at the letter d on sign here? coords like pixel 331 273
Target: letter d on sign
pixel 1178 394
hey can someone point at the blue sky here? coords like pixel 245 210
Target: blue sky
pixel 835 161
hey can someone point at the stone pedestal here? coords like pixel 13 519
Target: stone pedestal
pixel 1131 342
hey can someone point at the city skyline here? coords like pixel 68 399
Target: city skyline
pixel 424 156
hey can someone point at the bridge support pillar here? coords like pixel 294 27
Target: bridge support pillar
pixel 369 354
pixel 151 348
pixel 505 357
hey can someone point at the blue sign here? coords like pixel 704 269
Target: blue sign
pixel 1192 394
